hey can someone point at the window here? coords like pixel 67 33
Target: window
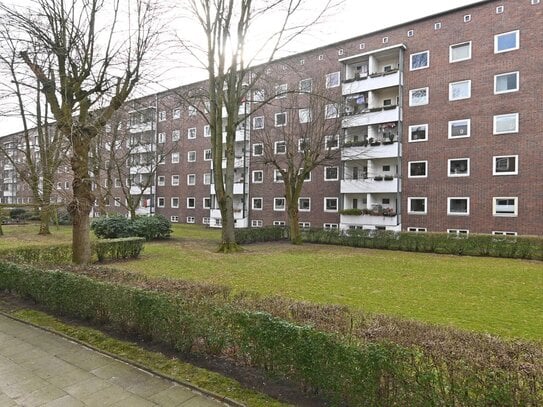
pixel 207 178
pixel 418 97
pixel 503 233
pixel 280 119
pixel 330 204
pixel 505 42
pixel 410 33
pixel 499 9
pixel 258 176
pixel 279 223
pixel 208 155
pixel 277 176
pixel 258 95
pixel 117 183
pixel 161 138
pixel 362 45
pixel 281 90
pixel 176 114
pixel 385 40
pixel 505 206
pixel 256 223
pixel 304 115
pixel 174 219
pixel 459 128
pixel 174 202
pixel 280 147
pixel 330 226
pixel 191 179
pixel 302 145
pixel 257 204
pixel 459 90
pixel 331 173
pixel 459 167
pixel 191 203
pixel 467 18
pixel 332 80
pixel 458 232
pixel 206 221
pixel 458 206
pixel 505 165
pixel 161 180
pixel 304 204
pixel 161 116
pixel 191 133
pixel 176 135
pixel 506 82
pixel 192 111
pixel 416 206
pixel 279 204
pixel 191 156
pixel 506 123
pixel 340 51
pixel 416 230
pixel 420 60
pixel 460 52
pixel 207 130
pixel 304 225
pixel 533 2
pixel 206 203
pixel 418 132
pixel 191 219
pixel 175 158
pixel 258 122
pixel 175 180
pixel 331 111
pixel 161 202
pixel 418 169
pixel 437 26
pixel 307 176
pixel 331 142
pixel 306 85
pixel 117 201
pixel 258 149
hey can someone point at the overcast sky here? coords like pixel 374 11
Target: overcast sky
pixel 355 17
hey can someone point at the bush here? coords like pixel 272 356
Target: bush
pixel 116 249
pixel 152 227
pixel 266 234
pixel 351 212
pixel 18 213
pixel 57 254
pixel 63 217
pixel 148 227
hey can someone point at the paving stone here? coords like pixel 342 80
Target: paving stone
pixel 106 396
pixel 173 396
pixel 41 396
pixel 66 401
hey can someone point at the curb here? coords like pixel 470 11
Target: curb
pixel 223 399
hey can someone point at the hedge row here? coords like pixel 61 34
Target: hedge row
pixel 442 243
pixel 115 227
pixel 265 234
pixel 116 249
pixel 348 373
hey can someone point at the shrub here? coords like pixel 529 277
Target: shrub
pixel 152 227
pixel 148 227
pixel 112 227
pixel 351 212
pixel 56 254
pixel 115 249
pixel 18 213
pixel 266 234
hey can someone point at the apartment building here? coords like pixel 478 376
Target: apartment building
pixel 440 131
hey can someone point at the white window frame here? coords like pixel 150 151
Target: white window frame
pixel 160 202
pixel 175 158
pixel 497 92
pixel 449 200
pixel 331 111
pixel 257 199
pixel 277 144
pixel 304 225
pixel 176 113
pixel 278 115
pixel 161 181
pixel 208 156
pixel 451 60
pixel 337 173
pixel 458 232
pixel 262 149
pixel 309 206
pixel 189 199
pixel 206 178
pixel 175 180
pixel 191 179
pixel 191 219
pixel 162 116
pixel 304 115
pixel 259 95
pixel 176 135
pixel 174 199
pixel 161 138
pixel 191 156
pixel 450 160
pixel 504 233
pixel 453 122
pixel 206 202
pixel 257 223
pixel 412 91
pixel 330 226
pixel 459 83
pixel 409 175
pixel 255 181
pixel 504 215
pixel 414 127
pixel 281 91
pixel 330 198
pixel 303 82
pixel 333 79
pixel 174 219
pixel 421 67
pixel 279 223
pixel 191 133
pixel 412 198
pixel 260 121
pixel 498 116
pixel 279 208
pixel 117 201
pixel 192 111
pixel 207 130
pixel 414 229
pixel 327 139
pixel 499 173
pixel 277 176
pixel 497 40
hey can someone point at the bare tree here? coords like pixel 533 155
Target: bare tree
pixel 37 151
pixel 305 136
pixel 229 26
pixel 86 72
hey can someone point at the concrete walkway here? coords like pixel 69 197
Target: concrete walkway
pixel 38 368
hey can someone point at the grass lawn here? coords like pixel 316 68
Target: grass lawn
pixel 500 296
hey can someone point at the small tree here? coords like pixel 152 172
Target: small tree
pixel 307 137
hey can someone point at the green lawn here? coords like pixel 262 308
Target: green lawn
pixel 500 296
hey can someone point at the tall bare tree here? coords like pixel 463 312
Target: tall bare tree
pixel 306 137
pixel 87 59
pixel 230 28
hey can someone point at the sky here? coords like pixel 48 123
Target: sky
pixel 351 19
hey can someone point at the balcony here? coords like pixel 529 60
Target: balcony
pixel 369 186
pixel 372 116
pixel 371 82
pixel 368 220
pixel 142 127
pixel 365 151
pixel 142 148
pixel 135 190
pixel 241 222
pixel 238 162
pixel 241 135
pixel 238 188
pixel 141 169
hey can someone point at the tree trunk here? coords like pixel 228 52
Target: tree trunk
pixel 82 201
pixel 294 226
pixel 45 218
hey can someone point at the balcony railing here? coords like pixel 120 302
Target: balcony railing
pixel 374 184
pixel 370 116
pixel 371 82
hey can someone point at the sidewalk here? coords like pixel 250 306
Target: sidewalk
pixel 38 368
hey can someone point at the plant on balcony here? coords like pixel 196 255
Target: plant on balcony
pixel 351 212
pixel 389 177
pixel 375 143
pixel 378 178
pixel 389 212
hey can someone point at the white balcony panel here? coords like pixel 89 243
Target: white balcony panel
pixel 368 186
pixel 139 128
pixel 8 193
pixel 238 214
pixel 138 191
pixel 369 118
pixel 368 220
pixel 241 135
pixel 8 167
pixel 142 149
pixel 238 163
pixel 378 82
pixel 370 152
pixel 238 189
pixel 141 169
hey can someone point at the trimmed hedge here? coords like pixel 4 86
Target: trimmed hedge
pixel 349 373
pixel 265 234
pixel 116 249
pixel 54 254
pixel 441 243
pixel 148 227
